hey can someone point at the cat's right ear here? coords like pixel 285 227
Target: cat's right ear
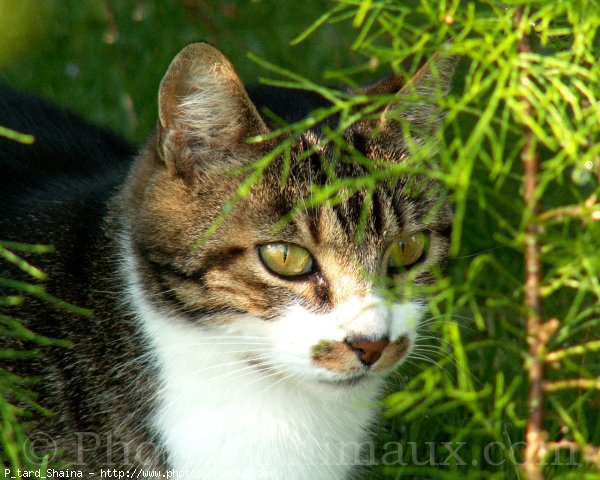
pixel 205 113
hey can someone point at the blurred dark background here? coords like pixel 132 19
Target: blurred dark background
pixel 104 58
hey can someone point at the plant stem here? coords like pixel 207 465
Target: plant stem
pixel 582 349
pixel 591 453
pixel 576 383
pixel 589 211
pixel 535 434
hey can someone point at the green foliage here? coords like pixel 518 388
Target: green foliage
pixel 16 136
pixel 475 395
pixel 466 387
pixel 476 390
pixel 20 28
pixel 17 402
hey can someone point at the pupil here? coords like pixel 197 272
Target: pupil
pixel 285 253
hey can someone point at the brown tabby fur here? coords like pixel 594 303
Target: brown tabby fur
pixel 173 193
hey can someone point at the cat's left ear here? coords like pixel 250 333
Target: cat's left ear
pixel 414 111
pixel 205 113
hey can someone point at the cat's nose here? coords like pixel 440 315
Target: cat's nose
pixel 367 351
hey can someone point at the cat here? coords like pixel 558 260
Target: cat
pixel 253 352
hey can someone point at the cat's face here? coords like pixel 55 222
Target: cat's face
pixel 309 297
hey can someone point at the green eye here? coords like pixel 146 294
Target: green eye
pixel 407 251
pixel 286 259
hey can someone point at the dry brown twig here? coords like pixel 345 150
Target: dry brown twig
pixel 591 454
pixel 538 332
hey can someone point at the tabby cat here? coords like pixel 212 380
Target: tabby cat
pixel 254 352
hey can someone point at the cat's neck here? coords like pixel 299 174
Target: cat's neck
pixel 216 411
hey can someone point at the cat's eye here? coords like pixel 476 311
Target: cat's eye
pixel 406 252
pixel 286 259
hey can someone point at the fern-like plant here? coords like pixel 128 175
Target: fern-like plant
pixel 506 384
pixel 513 389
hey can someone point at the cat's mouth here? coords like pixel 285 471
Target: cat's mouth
pixel 357 378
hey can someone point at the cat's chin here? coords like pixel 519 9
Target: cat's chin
pixel 366 386
pixel 366 381
pixel 351 382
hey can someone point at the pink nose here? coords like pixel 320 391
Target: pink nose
pixel 368 352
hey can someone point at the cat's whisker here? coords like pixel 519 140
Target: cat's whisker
pixel 418 365
pixel 427 322
pixel 254 366
pixel 446 315
pixel 428 337
pixel 438 350
pixel 282 379
pixel 268 372
pixel 195 372
pixel 427 359
pixel 261 371
pixel 429 346
pixel 245 372
pixel 427 340
pixel 141 359
pixel 432 362
pixel 250 345
pixel 233 336
pixel 434 351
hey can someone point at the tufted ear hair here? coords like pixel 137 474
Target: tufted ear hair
pixel 415 102
pixel 413 113
pixel 204 110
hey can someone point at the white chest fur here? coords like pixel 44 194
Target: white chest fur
pixel 218 416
